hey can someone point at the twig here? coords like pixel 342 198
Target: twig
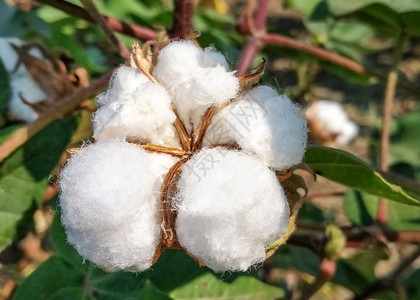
pixel 327 270
pixel 388 282
pixel 100 21
pixel 254 43
pixel 20 136
pixel 391 86
pixel 183 19
pixel 133 30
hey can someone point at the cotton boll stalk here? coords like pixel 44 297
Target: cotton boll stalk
pixel 145 115
pixel 264 123
pixel 109 199
pixel 177 62
pixel 230 207
pixel 330 124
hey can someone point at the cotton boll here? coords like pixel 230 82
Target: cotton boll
pixel 264 123
pixel 230 207
pixel 23 86
pixel 145 114
pixel 177 62
pixel 124 82
pixel 110 205
pixel 330 121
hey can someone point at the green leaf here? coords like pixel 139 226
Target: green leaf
pixel 209 286
pixel 396 14
pixel 400 216
pixel 175 274
pixel 307 7
pixel 24 177
pixel 345 7
pixel 344 168
pixel 356 271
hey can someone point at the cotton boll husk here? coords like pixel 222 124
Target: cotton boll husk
pixel 110 204
pixel 144 115
pixel 123 83
pixel 177 62
pixel 230 207
pixel 264 123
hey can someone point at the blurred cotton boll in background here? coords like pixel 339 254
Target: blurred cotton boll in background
pixel 329 123
pixel 23 86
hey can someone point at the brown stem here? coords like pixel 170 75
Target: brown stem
pixel 389 281
pixel 100 21
pixel 183 19
pixel 327 270
pixel 252 48
pixel 391 86
pixel 64 107
pixel 133 30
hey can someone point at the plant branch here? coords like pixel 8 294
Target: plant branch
pixel 391 86
pixel 327 270
pixel 100 21
pixel 261 15
pixel 183 19
pixel 390 281
pixel 64 107
pixel 133 30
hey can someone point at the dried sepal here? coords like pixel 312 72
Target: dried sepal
pixel 247 81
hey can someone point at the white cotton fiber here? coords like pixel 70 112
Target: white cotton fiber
pixel 177 62
pixel 109 199
pixel 136 109
pixel 195 80
pixel 230 207
pixel 264 123
pixel 123 84
pixel 333 119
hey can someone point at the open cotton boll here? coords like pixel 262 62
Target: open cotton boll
pixel 124 82
pixel 177 62
pixel 264 123
pixel 230 207
pixel 110 205
pixel 23 86
pixel 144 115
pixel 330 118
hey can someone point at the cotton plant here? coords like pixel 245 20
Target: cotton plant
pixel 187 155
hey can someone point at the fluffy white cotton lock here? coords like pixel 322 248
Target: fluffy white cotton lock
pixel 109 200
pixel 195 79
pixel 123 84
pixel 230 207
pixel 144 114
pixel 177 62
pixel 212 58
pixel 264 123
pixel 330 117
